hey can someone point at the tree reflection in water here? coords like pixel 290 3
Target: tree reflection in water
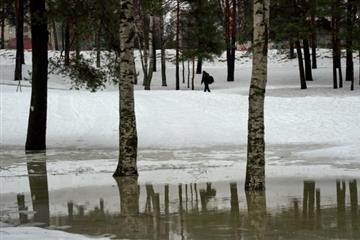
pixel 256 205
pixel 36 167
pixel 171 212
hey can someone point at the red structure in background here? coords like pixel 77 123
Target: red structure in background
pixel 12 43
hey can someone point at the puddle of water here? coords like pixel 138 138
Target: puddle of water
pixel 130 208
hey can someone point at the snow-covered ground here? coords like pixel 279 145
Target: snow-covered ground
pixel 184 136
pixel 191 119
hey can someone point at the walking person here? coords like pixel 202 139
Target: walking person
pixel 207 80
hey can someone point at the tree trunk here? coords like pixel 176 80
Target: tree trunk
pixel 229 41
pixel 255 168
pixel 231 66
pixel 77 39
pixel 188 75
pixel 292 52
pixel 308 72
pixel 240 19
pixel 177 44
pixel 199 65
pixel 19 4
pixel 36 133
pixel 349 47
pixel 56 43
pixel 128 133
pixel 193 74
pixel 152 56
pixel 313 37
pixel 67 42
pixel 154 39
pixel 98 47
pixel 301 65
pixel 2 30
pixel 162 42
pixel 183 70
pixel 336 45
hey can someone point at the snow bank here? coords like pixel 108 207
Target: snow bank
pixel 25 233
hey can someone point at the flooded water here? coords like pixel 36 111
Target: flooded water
pixel 131 208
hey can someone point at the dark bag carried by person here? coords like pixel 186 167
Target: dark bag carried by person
pixel 207 78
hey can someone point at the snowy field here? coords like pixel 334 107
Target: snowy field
pixel 191 119
pixel 184 136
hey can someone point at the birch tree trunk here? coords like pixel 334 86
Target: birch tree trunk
pixel 127 127
pixel 255 169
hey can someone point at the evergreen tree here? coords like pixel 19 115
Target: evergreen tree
pixel 202 36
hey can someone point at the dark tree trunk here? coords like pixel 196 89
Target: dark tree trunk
pixel 77 39
pixel 56 43
pixel 301 65
pixel 36 133
pixel 292 49
pixel 193 74
pixel 188 73
pixel 231 61
pixel 199 65
pixel 154 40
pixel 183 70
pixel 313 40
pixel 2 31
pixel 162 43
pixel 308 72
pixel 98 48
pixel 19 4
pixel 240 19
pixel 335 84
pixel 67 43
pixel 177 44
pixel 349 47
pixel 336 45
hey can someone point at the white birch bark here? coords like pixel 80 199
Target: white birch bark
pixel 255 170
pixel 127 126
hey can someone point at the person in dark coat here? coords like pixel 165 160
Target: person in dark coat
pixel 207 80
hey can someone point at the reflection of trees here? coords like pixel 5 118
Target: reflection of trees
pixel 206 195
pixel 37 173
pixel 158 222
pixel 340 196
pixel 21 207
pixel 235 212
pixel 256 204
pixel 354 206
